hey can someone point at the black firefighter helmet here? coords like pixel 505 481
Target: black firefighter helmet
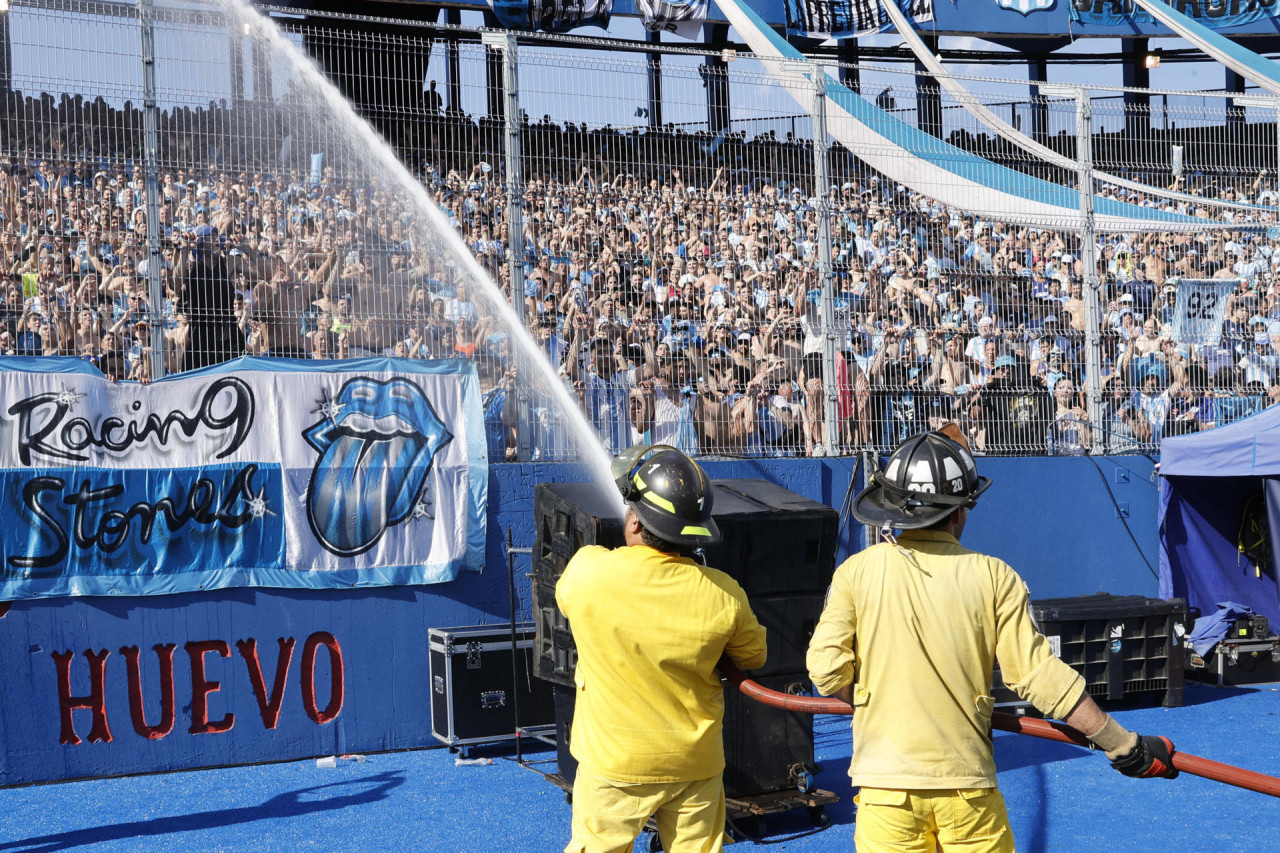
pixel 669 493
pixel 926 478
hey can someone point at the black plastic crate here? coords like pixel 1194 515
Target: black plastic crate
pixel 1124 646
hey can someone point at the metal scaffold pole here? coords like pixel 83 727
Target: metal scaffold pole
pixel 1089 260
pixel 827 322
pixel 514 182
pixel 151 172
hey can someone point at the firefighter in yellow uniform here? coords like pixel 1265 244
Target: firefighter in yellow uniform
pixel 650 624
pixel 908 637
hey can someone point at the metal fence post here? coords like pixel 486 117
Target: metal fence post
pixel 1092 283
pixel 151 173
pixel 1275 172
pixel 821 181
pixel 514 182
pixel 6 50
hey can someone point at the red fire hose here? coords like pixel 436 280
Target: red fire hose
pixel 1183 761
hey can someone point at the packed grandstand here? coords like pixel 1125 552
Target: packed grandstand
pixel 671 278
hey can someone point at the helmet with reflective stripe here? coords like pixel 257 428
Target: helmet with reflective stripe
pixel 669 493
pixel 927 477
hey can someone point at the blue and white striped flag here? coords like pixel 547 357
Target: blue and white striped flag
pixel 847 18
pixel 1200 309
pixel 552 16
pixel 682 17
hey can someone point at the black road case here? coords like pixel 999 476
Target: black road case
pixel 1238 661
pixel 474 689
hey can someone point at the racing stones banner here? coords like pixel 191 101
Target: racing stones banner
pixel 552 16
pixel 681 17
pixel 848 18
pixel 257 472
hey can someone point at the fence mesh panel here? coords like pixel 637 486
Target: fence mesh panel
pixel 670 278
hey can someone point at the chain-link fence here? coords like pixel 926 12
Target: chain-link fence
pixel 690 267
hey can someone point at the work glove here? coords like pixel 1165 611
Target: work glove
pixel 1151 756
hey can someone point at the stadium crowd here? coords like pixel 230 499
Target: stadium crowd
pixel 679 302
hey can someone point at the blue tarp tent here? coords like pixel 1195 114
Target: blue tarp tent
pixel 1211 484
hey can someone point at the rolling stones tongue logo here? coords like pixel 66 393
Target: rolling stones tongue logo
pixel 376 444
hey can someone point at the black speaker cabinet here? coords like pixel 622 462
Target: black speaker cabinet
pixel 765 749
pixel 780 546
pixel 567 516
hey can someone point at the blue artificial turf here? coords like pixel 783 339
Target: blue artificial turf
pixel 1060 797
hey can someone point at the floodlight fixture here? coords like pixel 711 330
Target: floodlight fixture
pixel 1151 60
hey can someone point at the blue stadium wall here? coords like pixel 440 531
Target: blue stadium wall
pixel 356 675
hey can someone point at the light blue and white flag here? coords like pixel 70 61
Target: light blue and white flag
pixel 1200 309
pixel 848 18
pixel 552 16
pixel 1209 15
pixel 681 17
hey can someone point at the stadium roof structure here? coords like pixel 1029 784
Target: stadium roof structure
pixel 1051 23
